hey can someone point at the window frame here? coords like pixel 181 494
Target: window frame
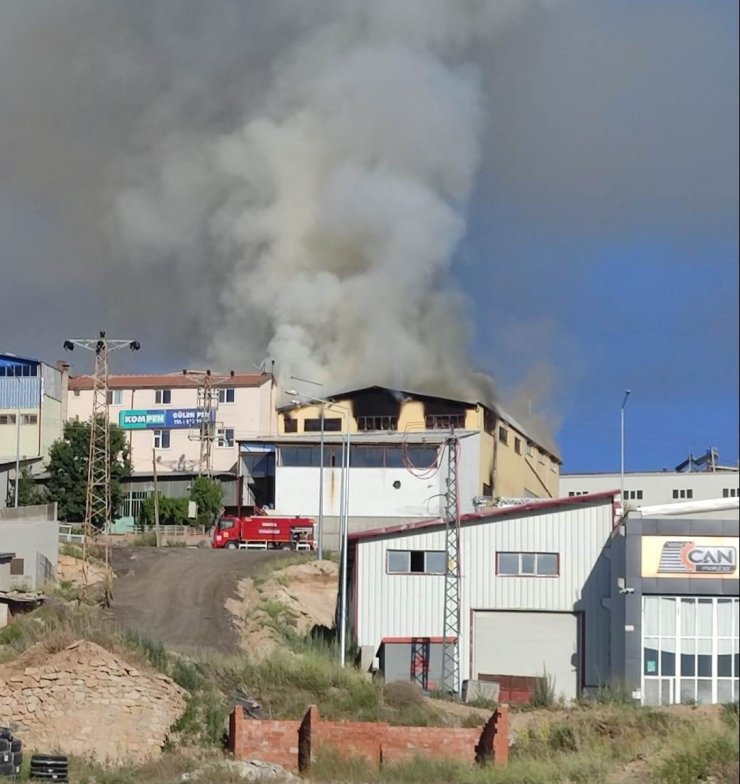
pixel 222 437
pixel 410 559
pixel 163 397
pixel 520 573
pixel 161 435
pixel 228 392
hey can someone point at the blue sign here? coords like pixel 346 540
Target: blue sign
pixel 163 419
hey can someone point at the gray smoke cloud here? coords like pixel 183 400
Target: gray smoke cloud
pixel 261 180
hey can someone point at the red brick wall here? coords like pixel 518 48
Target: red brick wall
pixel 279 741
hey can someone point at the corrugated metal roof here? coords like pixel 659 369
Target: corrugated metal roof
pixel 536 505
pixel 372 437
pixel 170 380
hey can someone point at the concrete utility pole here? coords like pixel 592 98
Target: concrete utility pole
pixel 97 496
pixel 156 498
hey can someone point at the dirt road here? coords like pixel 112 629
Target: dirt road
pixel 177 595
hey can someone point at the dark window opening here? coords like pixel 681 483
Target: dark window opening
pixel 291 425
pixel 331 425
pixel 17 567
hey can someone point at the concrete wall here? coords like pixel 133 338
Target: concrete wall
pixel 523 469
pixel 33 537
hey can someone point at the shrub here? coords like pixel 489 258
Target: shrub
pixel 543 693
pixel 402 694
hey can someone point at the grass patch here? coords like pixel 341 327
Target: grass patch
pixel 697 753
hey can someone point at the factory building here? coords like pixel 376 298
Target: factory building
pixel 698 479
pixel 33 399
pixel 398 466
pixel 561 590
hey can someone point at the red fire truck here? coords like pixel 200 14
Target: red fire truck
pixel 264 533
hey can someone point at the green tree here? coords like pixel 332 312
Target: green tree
pixel 29 493
pixel 172 511
pixel 68 462
pixel 207 494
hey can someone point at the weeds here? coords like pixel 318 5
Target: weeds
pixel 543 693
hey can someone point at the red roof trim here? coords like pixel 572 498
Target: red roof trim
pixel 170 381
pixel 425 638
pixel 534 506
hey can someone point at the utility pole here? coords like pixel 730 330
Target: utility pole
pixel 97 495
pixel 207 384
pixel 621 450
pixel 156 498
pixel 451 622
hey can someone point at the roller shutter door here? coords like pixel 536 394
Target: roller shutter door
pixel 524 644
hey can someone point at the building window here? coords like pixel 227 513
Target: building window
pixel 633 495
pixel 416 562
pixel 503 435
pixel 489 421
pixel 541 456
pixel 77 393
pixel 444 421
pixel 377 423
pixel 29 419
pixel 225 436
pixel 730 492
pixel 518 445
pixel 7 419
pixel 577 492
pixel 163 397
pixel 528 564
pixel 114 397
pixel 161 439
pixel 291 425
pixel 530 449
pixel 17 567
pixel 226 395
pixel 331 425
pixel 683 493
pixel 690 650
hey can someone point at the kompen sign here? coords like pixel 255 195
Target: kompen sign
pixel 163 419
pixel 689 556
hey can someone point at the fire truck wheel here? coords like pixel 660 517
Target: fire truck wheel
pixel 287 547
pixel 231 546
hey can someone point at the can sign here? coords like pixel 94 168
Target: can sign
pixel 691 558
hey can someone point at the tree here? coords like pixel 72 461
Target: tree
pixel 68 463
pixel 207 494
pixel 172 511
pixel 29 493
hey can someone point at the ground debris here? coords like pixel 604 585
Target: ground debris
pixel 249 770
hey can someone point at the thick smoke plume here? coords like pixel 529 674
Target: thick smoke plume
pixel 290 178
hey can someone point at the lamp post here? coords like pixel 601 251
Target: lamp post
pixel 17 446
pixel 343 515
pixel 621 443
pixel 320 537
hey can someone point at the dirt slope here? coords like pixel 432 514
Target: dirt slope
pixel 177 595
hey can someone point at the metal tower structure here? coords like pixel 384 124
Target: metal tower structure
pixel 97 495
pixel 451 625
pixel 207 388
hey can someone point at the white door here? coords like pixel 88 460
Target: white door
pixel 527 644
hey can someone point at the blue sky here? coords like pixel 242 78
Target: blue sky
pixel 601 250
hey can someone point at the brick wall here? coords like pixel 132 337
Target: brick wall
pixel 292 744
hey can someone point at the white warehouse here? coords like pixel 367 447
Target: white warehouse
pixel 534 578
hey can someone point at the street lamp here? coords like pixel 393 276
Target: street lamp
pixel 320 548
pixel 621 440
pixel 17 446
pixel 343 512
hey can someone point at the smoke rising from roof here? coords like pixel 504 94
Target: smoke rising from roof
pixel 296 182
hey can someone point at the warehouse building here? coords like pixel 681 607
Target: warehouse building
pixel 557 589
pixel 533 580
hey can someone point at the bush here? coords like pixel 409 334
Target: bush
pixel 402 694
pixel 698 756
pixel 543 693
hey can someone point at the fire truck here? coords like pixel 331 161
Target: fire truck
pixel 264 533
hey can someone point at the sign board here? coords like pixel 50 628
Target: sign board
pixel 162 419
pixel 690 556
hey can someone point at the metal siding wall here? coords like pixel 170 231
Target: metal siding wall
pixel 22 392
pixel 412 605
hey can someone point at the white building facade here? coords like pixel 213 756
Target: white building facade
pixel 651 488
pixel 532 585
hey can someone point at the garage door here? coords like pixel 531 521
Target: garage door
pixel 524 645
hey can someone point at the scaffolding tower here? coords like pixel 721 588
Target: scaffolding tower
pixel 98 510
pixel 451 625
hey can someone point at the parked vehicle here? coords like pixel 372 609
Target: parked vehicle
pixel 264 533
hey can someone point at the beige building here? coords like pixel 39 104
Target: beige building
pixel 159 411
pixel 33 398
pixel 510 461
